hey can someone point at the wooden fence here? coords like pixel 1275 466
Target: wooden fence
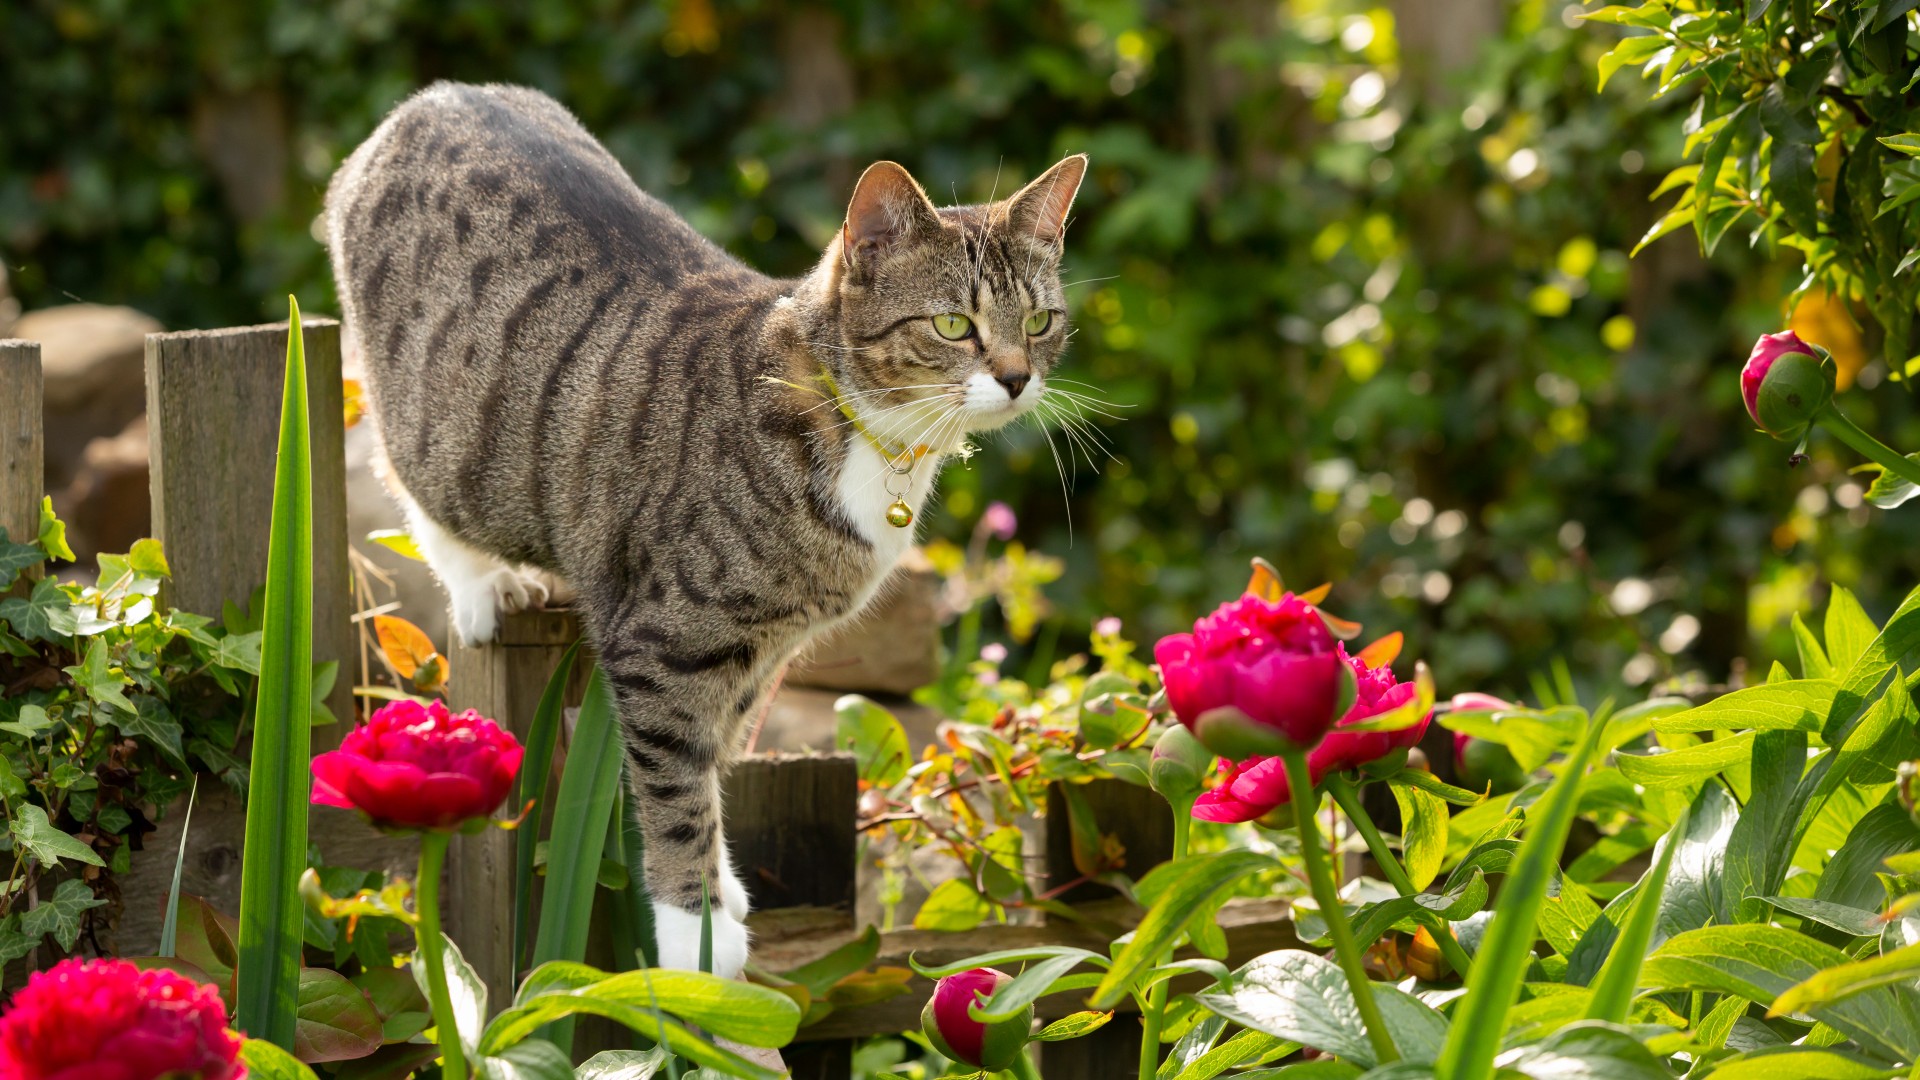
pixel 213 400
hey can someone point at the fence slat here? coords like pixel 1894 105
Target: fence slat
pixel 22 441
pixel 213 409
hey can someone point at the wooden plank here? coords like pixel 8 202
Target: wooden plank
pixel 22 439
pixel 504 681
pixel 213 405
pixel 1144 826
pixel 785 939
pixel 790 833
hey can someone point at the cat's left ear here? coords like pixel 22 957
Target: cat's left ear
pixel 1041 207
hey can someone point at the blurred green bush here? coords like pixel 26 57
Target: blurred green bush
pixel 1355 276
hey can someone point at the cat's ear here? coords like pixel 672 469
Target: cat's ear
pixel 1040 209
pixel 888 207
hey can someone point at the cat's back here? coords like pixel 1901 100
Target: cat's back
pixel 493 262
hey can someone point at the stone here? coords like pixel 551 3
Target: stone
pixel 94 360
pixel 894 648
pixel 109 504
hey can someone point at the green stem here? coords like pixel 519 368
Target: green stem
pixel 426 905
pixel 1022 1067
pixel 1320 877
pixel 1153 1017
pixel 1349 801
pixel 1883 455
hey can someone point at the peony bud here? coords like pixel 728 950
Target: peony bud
pixel 1785 383
pixel 1179 764
pixel 951 1028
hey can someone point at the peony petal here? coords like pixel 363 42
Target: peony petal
pixel 330 772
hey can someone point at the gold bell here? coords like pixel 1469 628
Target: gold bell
pixel 899 515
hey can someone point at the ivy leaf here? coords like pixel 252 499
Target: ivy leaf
pixel 15 558
pixel 95 679
pixel 147 558
pixel 953 905
pixel 32 721
pixel 152 721
pixel 13 943
pixel 239 651
pixel 29 616
pixel 78 620
pixel 53 532
pixel 59 917
pixel 32 831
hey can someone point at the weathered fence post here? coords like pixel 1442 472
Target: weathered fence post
pixel 1144 826
pixel 790 832
pixel 213 408
pixel 504 680
pixel 22 441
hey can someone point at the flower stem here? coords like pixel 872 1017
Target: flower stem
pixel 1883 455
pixel 1022 1067
pixel 426 905
pixel 1345 795
pixel 1320 877
pixel 1154 1015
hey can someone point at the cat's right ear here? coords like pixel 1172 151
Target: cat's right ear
pixel 888 208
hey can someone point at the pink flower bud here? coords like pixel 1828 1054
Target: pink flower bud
pixel 998 520
pixel 1256 677
pixel 416 767
pixel 109 1020
pixel 950 1026
pixel 1785 382
pixel 1108 627
pixel 993 653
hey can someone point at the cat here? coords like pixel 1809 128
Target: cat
pixel 575 389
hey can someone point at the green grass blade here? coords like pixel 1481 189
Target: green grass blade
pixel 268 978
pixel 1475 1035
pixel 706 926
pixel 1613 988
pixel 170 926
pixel 532 785
pixel 635 903
pixel 582 812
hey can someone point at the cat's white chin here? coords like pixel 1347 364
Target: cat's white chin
pixel 677 933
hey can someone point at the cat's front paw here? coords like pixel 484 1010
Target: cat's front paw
pixel 479 602
pixel 677 933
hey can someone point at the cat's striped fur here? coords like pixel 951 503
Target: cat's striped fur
pixel 571 383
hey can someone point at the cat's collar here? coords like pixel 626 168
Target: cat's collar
pixel 898 454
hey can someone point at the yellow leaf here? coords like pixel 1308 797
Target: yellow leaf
pixel 1266 582
pixel 397 540
pixel 1384 651
pixel 355 397
pixel 1825 319
pixel 1318 593
pixel 410 651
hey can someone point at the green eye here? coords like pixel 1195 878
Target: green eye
pixel 1038 322
pixel 952 326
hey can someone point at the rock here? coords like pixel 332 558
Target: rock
pixel 109 505
pixel 9 307
pixel 94 360
pixel 894 648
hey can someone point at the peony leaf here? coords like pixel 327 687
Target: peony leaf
pixel 1073 1025
pixel 1303 997
pixel 334 1022
pixel 1889 490
pixel 265 1061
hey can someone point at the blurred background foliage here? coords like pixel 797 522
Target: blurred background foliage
pixel 1355 276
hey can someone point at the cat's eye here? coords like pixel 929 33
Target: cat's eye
pixel 952 326
pixel 1038 322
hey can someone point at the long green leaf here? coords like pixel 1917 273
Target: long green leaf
pixel 581 814
pixel 1613 989
pixel 1197 884
pixel 170 925
pixel 531 786
pixel 1474 1037
pixel 271 920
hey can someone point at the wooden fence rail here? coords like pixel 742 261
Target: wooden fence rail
pixel 213 400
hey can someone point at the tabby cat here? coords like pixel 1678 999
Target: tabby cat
pixel 572 385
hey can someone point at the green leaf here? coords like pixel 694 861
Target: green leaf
pixel 1688 766
pixel 1849 630
pixel 1759 963
pixel 1849 876
pixel 31 616
pixel 32 831
pixel 335 1021
pixel 398 541
pixel 152 722
pixel 876 738
pixel 147 558
pixel 13 559
pixel 1423 831
pixel 1589 1050
pixel 170 922
pixel 1633 50
pixel 1836 984
pixel 59 916
pixel 819 975
pixel 1073 1025
pixel 265 1061
pixel 1036 981
pixel 1102 721
pixel 1694 895
pixel 582 813
pixel 1813 658
pixel 1006 956
pixel 953 905
pixel 272 918
pixel 1711 162
pixel 1890 491
pixel 242 652
pixel 1799 704
pixel 1507 948
pixel 623 1065
pixel 535 768
pixel 1796 1063
pixel 1852 921
pixel 1908 144
pixel 1196 885
pixel 1789 119
pixel 1244 1047
pixel 468 994
pixel 1613 989
pixel 1304 998
pixel 53 534
pixel 535 1059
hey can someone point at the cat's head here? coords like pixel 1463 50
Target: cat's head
pixel 950 320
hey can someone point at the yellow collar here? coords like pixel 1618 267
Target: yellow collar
pixel 890 451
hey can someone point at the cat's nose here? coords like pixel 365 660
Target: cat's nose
pixel 1014 381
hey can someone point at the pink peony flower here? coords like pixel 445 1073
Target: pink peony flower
pixel 1256 676
pixel 1258 785
pixel 109 1020
pixel 957 1035
pixel 415 767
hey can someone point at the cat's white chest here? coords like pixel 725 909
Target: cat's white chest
pixel 867 488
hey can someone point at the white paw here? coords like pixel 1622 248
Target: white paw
pixel 677 933
pixel 479 602
pixel 559 593
pixel 733 894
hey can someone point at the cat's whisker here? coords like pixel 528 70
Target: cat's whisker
pixel 1081 405
pixel 1089 281
pixel 842 348
pixel 850 397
